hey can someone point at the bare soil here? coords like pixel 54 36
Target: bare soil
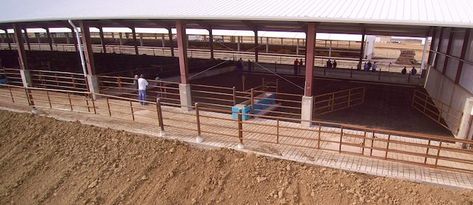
pixel 45 161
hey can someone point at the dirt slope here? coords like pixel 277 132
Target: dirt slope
pixel 44 161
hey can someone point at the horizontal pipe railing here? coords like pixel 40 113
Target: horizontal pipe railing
pixel 429 150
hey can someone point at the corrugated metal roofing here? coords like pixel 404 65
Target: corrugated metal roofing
pixel 451 13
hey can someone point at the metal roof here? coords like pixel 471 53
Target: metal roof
pixel 446 13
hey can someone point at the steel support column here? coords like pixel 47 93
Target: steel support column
pixel 422 62
pixel 22 60
pixel 135 44
pixel 7 36
pixel 50 40
pixel 267 46
pixel 447 52
pixel 211 43
pixel 92 80
pixel 256 45
pixel 102 40
pixel 20 48
pixel 438 48
pixel 466 40
pixel 74 40
pixel 27 39
pixel 238 43
pixel 433 35
pixel 87 45
pixel 307 102
pixel 171 45
pixel 162 41
pixel 182 50
pixel 362 49
pixel 141 39
pixel 184 86
pixel 309 59
pixel 120 39
pixel 68 38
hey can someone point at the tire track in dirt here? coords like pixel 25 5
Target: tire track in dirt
pixel 43 183
pixel 72 188
pixel 16 184
pixel 17 146
pixel 86 191
pixel 137 182
pixel 157 182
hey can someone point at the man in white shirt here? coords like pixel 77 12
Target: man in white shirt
pixel 142 84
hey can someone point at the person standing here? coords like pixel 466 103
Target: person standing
pixel 369 65
pixel 413 71
pixel 296 66
pixel 375 66
pixel 142 84
pixel 404 71
pixel 334 64
pixel 329 64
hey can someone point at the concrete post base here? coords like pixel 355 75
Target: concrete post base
pixel 93 84
pixel 306 110
pixel 26 78
pixel 185 97
pixel 199 139
pixel 465 125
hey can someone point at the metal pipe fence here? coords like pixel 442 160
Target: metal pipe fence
pixel 436 110
pixel 413 148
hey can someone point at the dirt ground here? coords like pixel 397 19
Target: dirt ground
pixel 45 161
pixel 386 106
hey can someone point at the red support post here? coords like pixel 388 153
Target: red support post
pixel 362 48
pixel 20 48
pixel 88 52
pixel 102 40
pixel 50 40
pixel 309 58
pixel 135 44
pixel 256 45
pixel 7 36
pixel 438 47
pixel 182 49
pixel 447 52
pixel 466 41
pixel 171 45
pixel 27 39
pixel 211 43
pixel 74 39
pixel 434 35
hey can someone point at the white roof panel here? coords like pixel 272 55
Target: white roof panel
pixel 451 13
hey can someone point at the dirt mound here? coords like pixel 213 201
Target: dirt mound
pixel 52 162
